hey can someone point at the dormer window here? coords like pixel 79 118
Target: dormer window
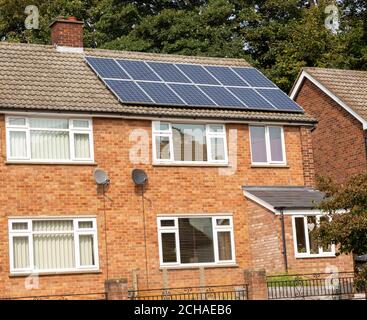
pixel 189 143
pixel 50 140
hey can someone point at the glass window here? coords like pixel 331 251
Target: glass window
pixel 196 240
pixel 267 144
pixel 305 242
pixel 53 243
pixel 258 144
pixel 49 140
pixel 181 142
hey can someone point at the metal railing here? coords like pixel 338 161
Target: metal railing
pixel 227 292
pixel 318 285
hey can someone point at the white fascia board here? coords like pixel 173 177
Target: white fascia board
pixel 305 75
pixel 259 201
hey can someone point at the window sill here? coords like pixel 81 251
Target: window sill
pixel 54 273
pixel 11 162
pixel 182 267
pixel 189 164
pixel 284 166
pixel 316 256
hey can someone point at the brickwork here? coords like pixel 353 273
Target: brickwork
pixel 338 140
pixel 67 32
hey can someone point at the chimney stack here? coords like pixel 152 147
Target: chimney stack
pixel 67 34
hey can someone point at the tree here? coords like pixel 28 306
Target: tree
pixel 346 205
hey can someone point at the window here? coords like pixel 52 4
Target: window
pixel 305 245
pixel 49 139
pixel 189 143
pixel 267 145
pixel 47 245
pixel 185 241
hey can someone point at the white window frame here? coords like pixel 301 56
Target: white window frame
pixel 72 131
pixel 76 233
pixel 308 253
pixel 267 146
pixel 175 229
pixel 208 135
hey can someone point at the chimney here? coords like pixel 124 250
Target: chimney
pixel 67 34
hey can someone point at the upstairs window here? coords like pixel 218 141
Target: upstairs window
pixel 304 242
pixel 49 139
pixel 189 143
pixel 267 145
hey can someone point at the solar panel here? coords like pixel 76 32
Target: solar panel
pixel 254 77
pixel 160 93
pixel 168 72
pixel 251 98
pixel 279 99
pixel 192 95
pixel 128 91
pixel 165 83
pixel 221 96
pixel 138 70
pixel 107 68
pixel 197 74
pixel 226 76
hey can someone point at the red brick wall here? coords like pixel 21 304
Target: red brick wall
pixel 57 190
pixel 338 140
pixel 67 33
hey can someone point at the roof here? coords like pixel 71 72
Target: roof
pixel 347 87
pixel 284 197
pixel 38 77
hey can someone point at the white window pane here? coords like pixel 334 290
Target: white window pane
pixel 49 123
pixel 17 121
pixel 19 226
pixel 300 235
pixel 81 145
pixel 276 147
pixel 258 144
pixel 189 142
pixel 217 128
pixel 169 247
pixel 224 245
pixel 50 145
pixel 86 250
pixel 20 252
pixel 18 144
pixel 53 251
pixel 80 123
pixel 161 126
pixel 217 148
pixel 162 148
pixel 53 225
pixel 85 224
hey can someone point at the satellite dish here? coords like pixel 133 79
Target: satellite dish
pixel 101 177
pixel 139 177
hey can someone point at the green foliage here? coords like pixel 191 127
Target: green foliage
pixel 279 37
pixel 348 229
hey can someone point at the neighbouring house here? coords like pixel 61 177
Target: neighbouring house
pixel 228 157
pixel 338 100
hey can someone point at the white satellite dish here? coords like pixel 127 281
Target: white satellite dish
pixel 101 177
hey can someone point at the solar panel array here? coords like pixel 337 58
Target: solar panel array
pixel 178 84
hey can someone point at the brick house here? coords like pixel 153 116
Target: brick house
pixel 337 99
pixel 202 221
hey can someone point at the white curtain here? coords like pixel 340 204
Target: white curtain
pixel 53 251
pixel 86 250
pixel 50 145
pixel 21 252
pixel 18 144
pixel 81 143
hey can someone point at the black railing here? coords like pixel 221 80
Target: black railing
pixel 227 292
pixel 320 285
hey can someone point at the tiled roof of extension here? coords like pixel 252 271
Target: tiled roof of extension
pixel 350 86
pixel 37 77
